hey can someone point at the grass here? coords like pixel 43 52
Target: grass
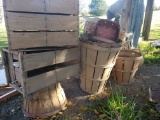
pixel 151 54
pixel 118 107
pixel 155 26
pixel 3 36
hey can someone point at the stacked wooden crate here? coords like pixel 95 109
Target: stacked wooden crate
pixel 43 43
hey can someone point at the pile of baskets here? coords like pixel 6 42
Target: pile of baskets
pixel 101 55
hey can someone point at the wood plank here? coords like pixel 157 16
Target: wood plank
pixel 8 95
pixel 62 6
pixel 39 82
pixel 127 68
pixel 90 71
pixel 62 38
pixel 62 22
pixel 67 55
pixel 67 72
pixel 24 5
pixel 27 39
pixel 38 60
pixel 25 21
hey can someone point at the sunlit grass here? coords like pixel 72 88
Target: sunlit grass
pixel 3 36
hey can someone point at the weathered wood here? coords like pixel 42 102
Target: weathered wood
pixel 62 38
pixel 34 22
pixel 46 102
pixel 16 87
pixel 27 39
pixel 37 69
pixel 62 6
pixel 67 55
pixel 126 66
pixel 43 6
pixel 148 19
pixel 96 63
pixel 24 5
pixel 62 22
pixel 42 39
pixel 41 81
pixel 25 21
pixel 8 95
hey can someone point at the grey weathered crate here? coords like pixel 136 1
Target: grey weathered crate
pixel 35 69
pixel 41 23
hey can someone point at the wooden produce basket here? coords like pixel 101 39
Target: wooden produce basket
pixel 96 65
pixel 106 29
pixel 46 102
pixel 126 66
pixel 31 70
pixel 41 23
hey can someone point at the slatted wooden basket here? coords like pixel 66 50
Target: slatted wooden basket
pixel 45 103
pixel 96 65
pixel 126 66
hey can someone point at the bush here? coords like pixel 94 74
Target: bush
pixel 98 7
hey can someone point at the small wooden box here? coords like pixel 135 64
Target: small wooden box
pixel 35 69
pixel 41 23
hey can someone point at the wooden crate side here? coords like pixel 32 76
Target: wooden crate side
pixel 44 6
pixel 6 66
pixel 67 55
pixel 38 60
pixel 34 22
pixel 67 72
pixel 27 39
pixel 41 81
pixel 62 6
pixel 24 5
pixel 62 22
pixel 62 38
pixel 25 21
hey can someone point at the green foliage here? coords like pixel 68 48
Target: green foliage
pixel 151 54
pixel 118 107
pixel 97 7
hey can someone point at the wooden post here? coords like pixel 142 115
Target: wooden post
pixel 125 14
pixel 148 19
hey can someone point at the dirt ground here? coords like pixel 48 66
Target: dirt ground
pixel 147 76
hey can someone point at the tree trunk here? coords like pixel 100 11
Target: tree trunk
pixel 148 19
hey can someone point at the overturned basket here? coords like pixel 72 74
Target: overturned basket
pixel 107 30
pixel 126 66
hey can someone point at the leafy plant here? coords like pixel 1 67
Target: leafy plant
pixel 151 54
pixel 117 107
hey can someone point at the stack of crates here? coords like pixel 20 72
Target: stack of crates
pixel 43 43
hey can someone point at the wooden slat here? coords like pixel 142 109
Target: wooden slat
pixel 8 95
pixel 27 39
pixel 127 67
pixel 90 70
pixel 62 38
pixel 16 87
pixel 38 60
pixel 38 82
pixel 62 6
pixel 67 55
pixel 25 21
pixel 62 22
pixel 24 5
pixel 67 72
pixel 52 6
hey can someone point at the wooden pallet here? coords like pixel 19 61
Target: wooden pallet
pixel 41 23
pixel 36 69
